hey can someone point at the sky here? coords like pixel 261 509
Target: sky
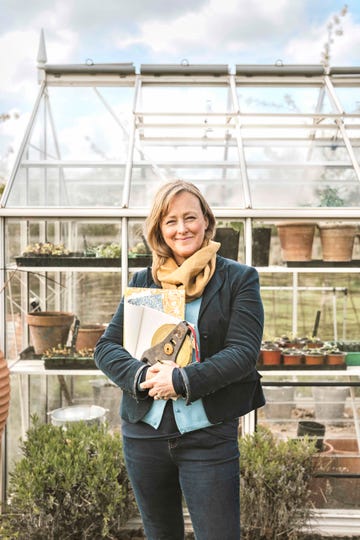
pixel 160 32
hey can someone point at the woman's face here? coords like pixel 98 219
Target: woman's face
pixel 183 227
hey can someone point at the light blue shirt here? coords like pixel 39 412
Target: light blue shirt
pixel 187 417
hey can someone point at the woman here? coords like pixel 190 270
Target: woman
pixel 187 446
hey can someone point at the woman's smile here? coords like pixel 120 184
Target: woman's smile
pixel 183 227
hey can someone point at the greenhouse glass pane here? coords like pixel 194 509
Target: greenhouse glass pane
pixel 197 98
pixel 191 128
pixel 207 151
pixel 67 187
pixel 283 99
pixel 77 149
pixel 194 147
pixel 90 123
pixel 349 98
pixel 221 185
pixel 305 152
pixel 303 186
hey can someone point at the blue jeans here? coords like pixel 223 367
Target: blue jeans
pixel 199 465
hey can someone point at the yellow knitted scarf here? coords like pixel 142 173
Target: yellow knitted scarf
pixel 194 273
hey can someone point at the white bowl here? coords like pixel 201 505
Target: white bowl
pixel 77 413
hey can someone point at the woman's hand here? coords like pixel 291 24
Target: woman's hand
pixel 159 380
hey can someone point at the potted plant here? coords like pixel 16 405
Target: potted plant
pixel 275 477
pixel 70 483
pixel 314 356
pixel 43 254
pixel 313 342
pixel 289 341
pixel 108 250
pixel 270 353
pixel 140 254
pixel 45 249
pixel 292 356
pixel 67 357
pixel 334 357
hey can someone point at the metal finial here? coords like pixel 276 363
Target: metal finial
pixel 41 57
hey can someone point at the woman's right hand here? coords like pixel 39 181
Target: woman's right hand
pixel 159 380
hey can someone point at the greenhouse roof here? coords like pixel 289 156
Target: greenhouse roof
pixel 253 137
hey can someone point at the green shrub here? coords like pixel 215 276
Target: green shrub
pixel 70 484
pixel 274 480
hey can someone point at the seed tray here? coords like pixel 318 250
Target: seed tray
pixel 69 362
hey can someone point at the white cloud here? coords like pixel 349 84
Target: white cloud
pixel 344 49
pixel 15 67
pixel 159 31
pixel 18 70
pixel 230 25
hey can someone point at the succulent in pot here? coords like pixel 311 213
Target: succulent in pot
pixel 314 356
pixel 45 249
pixel 334 356
pixel 270 353
pixel 110 250
pixel 292 356
pixel 313 342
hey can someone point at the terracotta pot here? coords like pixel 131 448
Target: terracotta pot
pixel 314 359
pixel 292 359
pixel 296 240
pixel 335 359
pixel 88 336
pixel 49 329
pixel 4 393
pixel 343 458
pixel 271 357
pixel 337 241
pixel 314 344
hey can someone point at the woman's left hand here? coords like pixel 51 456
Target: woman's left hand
pixel 159 380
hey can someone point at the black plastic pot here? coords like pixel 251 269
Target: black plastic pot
pixel 229 239
pixel 313 430
pixel 261 238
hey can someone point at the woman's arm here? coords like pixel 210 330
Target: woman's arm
pixel 113 359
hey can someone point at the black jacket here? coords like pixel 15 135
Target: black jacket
pixel 230 325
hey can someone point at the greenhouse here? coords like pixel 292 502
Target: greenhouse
pixel 275 149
